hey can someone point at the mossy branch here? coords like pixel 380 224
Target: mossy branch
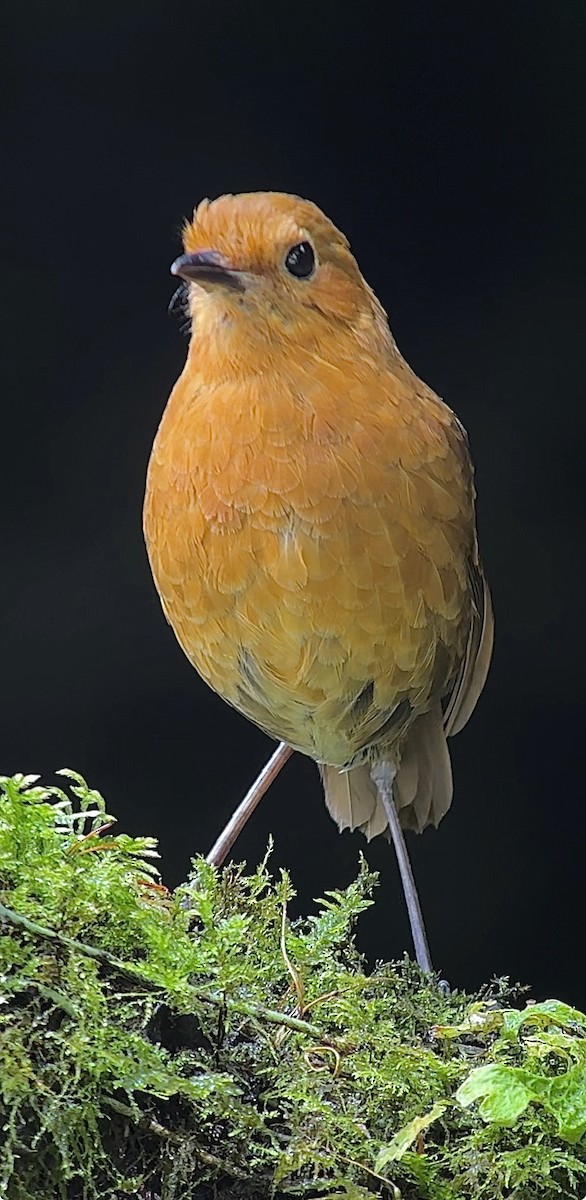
pixel 245 1007
pixel 175 1139
pixel 146 1048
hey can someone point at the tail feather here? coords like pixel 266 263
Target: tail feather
pixel 422 788
pixel 352 799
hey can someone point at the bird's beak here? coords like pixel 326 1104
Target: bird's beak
pixel 207 266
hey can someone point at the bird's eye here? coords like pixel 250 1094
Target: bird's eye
pixel 300 260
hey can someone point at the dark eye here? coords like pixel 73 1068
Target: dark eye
pixel 300 260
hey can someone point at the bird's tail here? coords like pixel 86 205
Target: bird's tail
pixel 352 799
pixel 422 788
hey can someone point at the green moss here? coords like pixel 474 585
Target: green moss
pixel 200 1044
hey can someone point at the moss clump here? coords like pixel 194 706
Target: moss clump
pixel 199 1044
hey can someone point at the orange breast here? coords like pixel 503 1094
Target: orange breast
pixel 308 534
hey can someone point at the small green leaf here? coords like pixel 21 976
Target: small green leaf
pixel 549 1012
pixel 405 1137
pixel 503 1092
pixel 567 1102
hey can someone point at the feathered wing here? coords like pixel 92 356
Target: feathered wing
pixel 423 784
pixel 474 670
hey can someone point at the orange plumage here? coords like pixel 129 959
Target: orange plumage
pixel 309 513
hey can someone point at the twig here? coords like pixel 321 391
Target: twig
pixel 222 846
pixel 176 1139
pixel 249 1008
pixel 52 935
pixel 246 1008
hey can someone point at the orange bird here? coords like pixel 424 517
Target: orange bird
pixel 309 515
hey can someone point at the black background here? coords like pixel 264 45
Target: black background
pixel 446 141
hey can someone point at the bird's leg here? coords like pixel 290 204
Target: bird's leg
pixel 222 846
pixel 383 774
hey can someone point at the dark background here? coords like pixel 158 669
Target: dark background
pixel 446 140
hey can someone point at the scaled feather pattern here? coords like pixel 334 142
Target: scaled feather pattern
pixel 309 514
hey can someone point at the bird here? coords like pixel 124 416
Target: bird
pixel 309 516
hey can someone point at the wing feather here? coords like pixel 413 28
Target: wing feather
pixel 474 670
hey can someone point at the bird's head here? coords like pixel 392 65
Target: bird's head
pixel 268 267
